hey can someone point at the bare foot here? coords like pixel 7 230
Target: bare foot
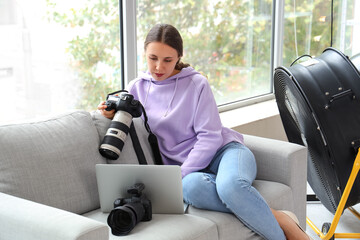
pixel 291 229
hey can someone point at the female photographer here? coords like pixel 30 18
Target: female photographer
pixel 217 168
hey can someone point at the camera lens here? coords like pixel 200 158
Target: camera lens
pixel 109 154
pixel 123 219
pixel 114 139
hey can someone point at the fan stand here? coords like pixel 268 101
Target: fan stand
pixel 328 230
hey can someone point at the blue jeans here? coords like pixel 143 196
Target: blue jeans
pixel 225 186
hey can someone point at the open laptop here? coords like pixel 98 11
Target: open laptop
pixel 163 185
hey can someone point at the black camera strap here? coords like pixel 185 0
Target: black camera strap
pixel 155 148
pixel 152 140
pixel 137 146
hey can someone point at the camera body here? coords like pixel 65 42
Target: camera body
pixel 126 108
pixel 128 212
pixel 136 198
pixel 124 102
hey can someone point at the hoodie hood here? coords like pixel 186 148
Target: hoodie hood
pixel 183 74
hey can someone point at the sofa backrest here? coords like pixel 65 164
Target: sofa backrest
pixel 52 161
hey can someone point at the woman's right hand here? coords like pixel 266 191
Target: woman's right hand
pixel 108 114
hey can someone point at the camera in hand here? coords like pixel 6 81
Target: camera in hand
pixel 128 212
pixel 126 108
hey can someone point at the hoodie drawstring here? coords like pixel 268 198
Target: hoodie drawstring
pixel 147 93
pixel 172 98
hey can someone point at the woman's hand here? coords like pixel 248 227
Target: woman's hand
pixel 108 114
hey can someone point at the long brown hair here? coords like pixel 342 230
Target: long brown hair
pixel 169 35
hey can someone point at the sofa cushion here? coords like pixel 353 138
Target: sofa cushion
pixel 128 155
pixel 52 162
pixel 227 224
pixel 166 227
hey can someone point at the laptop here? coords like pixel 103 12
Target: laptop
pixel 163 185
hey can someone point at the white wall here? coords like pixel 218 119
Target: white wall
pixel 260 119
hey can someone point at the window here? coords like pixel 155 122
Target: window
pixel 309 28
pixel 57 55
pixel 229 41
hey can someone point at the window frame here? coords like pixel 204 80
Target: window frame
pixel 129 39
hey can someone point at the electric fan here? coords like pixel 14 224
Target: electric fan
pixel 319 105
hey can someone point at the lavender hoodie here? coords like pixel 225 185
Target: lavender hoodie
pixel 183 115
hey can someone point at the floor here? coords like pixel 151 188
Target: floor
pixel 318 214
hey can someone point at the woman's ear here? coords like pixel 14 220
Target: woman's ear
pixel 177 63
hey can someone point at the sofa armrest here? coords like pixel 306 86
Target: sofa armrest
pixel 282 162
pixel 23 219
pixel 278 161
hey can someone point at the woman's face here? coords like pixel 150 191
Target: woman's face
pixel 161 60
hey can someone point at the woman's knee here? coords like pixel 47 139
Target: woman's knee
pixel 196 185
pixel 230 187
pixel 196 182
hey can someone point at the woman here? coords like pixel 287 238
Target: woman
pixel 217 168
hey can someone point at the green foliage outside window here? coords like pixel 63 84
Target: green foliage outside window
pixel 227 40
pixel 94 52
pixel 306 28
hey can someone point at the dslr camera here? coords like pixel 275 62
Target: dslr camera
pixel 126 108
pixel 128 212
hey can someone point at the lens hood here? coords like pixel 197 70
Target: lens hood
pixel 123 219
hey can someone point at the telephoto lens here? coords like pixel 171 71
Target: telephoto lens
pixel 114 139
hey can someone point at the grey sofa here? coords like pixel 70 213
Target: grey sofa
pixel 48 185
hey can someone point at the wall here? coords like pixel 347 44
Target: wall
pixel 261 119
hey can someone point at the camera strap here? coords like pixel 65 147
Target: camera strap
pixel 137 146
pixel 152 140
pixel 155 148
